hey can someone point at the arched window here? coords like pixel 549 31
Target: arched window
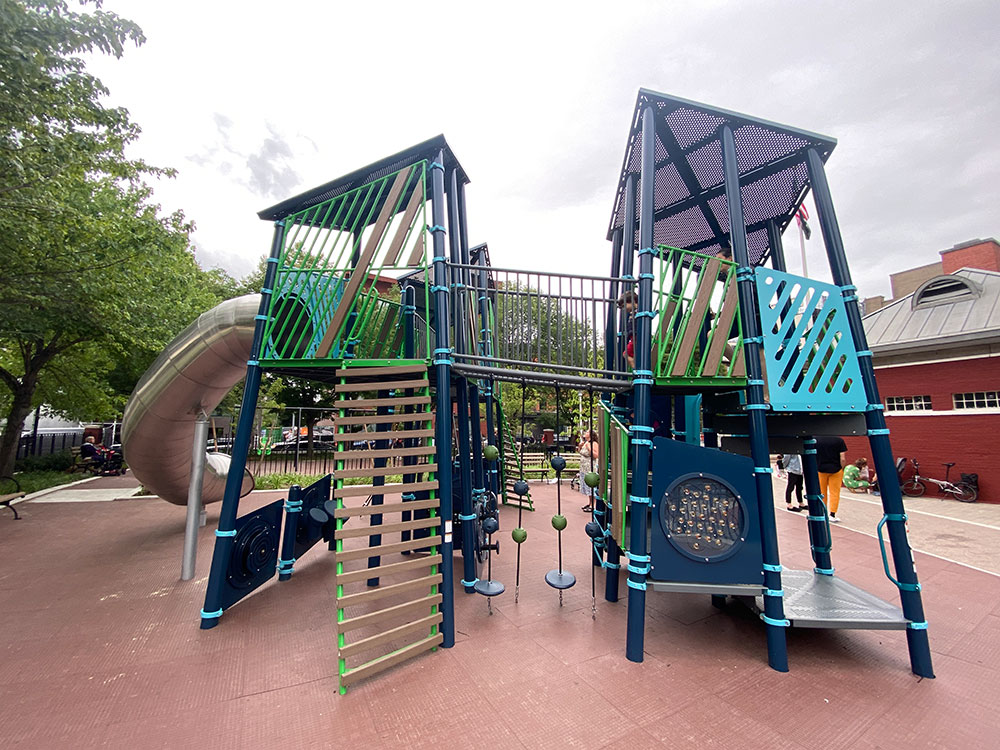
pixel 943 290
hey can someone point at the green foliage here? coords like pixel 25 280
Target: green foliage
pixel 53 462
pixel 95 280
pixel 33 481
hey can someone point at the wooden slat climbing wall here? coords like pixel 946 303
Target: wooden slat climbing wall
pixel 387 531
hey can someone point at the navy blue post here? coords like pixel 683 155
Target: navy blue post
pixel 409 300
pixel 442 423
pixel 774 610
pixel 475 422
pixel 642 386
pixel 466 515
pixel 878 434
pixel 293 512
pixel 241 446
pixel 774 243
pixel 818 520
pixel 627 265
pixel 485 348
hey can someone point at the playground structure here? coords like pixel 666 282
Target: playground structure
pixel 732 358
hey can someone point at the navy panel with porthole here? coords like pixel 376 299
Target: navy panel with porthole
pixel 704 525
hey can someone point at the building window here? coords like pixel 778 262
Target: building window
pixel 908 403
pixel 977 400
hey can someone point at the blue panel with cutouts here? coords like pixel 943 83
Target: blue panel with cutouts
pixel 810 360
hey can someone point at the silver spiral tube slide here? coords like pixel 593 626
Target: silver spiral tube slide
pixel 193 374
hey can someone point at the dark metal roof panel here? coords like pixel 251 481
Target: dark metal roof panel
pixel 688 194
pixel 426 150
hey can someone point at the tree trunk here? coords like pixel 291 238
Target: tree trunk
pixel 19 410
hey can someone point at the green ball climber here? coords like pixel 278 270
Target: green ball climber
pixel 491 453
pixel 519 535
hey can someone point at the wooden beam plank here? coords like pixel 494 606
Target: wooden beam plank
pixel 396 246
pixel 358 532
pixel 372 618
pixel 381 592
pixel 364 372
pixel 372 403
pixel 739 369
pixel 389 322
pixel 696 316
pixel 360 272
pixel 352 676
pixel 386 549
pixel 420 450
pixel 424 623
pixel 386 508
pixel 720 335
pixel 662 334
pixel 347 437
pixel 385 489
pixel 386 471
pixel 380 571
pixel 417 255
pixel 422 416
pixel 385 385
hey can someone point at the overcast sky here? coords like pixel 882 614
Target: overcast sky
pixel 253 102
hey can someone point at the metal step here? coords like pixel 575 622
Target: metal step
pixel 817 601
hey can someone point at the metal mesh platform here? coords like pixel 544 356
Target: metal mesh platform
pixel 818 601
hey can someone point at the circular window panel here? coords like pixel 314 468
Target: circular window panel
pixel 703 517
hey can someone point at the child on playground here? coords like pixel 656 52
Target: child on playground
pixel 628 302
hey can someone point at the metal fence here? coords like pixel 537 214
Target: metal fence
pixel 546 321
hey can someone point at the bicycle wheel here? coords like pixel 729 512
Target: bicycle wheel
pixel 913 488
pixel 966 492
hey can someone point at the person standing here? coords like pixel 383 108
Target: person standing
pixel 589 451
pixel 793 465
pixel 831 455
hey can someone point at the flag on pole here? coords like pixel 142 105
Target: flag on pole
pixel 802 217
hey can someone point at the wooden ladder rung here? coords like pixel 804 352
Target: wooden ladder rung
pixel 349 437
pixel 385 471
pixel 387 549
pixel 386 508
pixel 418 416
pixel 381 592
pixel 419 563
pixel 406 608
pixel 385 489
pixel 424 623
pixel 352 676
pixel 351 372
pixel 356 532
pixel 385 385
pixel 366 403
pixel 420 450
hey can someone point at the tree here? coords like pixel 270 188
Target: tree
pixel 95 281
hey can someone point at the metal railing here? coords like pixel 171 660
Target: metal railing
pixel 554 322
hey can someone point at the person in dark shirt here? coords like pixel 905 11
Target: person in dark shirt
pixel 831 454
pixel 90 452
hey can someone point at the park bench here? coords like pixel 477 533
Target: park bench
pixel 87 464
pixel 7 497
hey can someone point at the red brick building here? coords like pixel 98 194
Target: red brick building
pixel 937 360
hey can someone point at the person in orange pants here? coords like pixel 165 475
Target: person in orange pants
pixel 831 454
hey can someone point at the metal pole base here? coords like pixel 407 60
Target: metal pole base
pixel 920 653
pixel 777 648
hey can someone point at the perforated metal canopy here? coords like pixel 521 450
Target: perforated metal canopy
pixel 689 197
pixel 426 150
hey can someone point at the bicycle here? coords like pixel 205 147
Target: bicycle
pixel 917 485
